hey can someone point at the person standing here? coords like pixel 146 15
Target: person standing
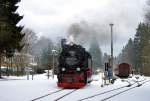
pixel 110 73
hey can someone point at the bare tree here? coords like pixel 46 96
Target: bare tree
pixel 29 40
pixel 22 59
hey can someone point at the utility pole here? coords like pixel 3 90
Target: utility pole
pixel 111 26
pixel 53 65
pixel 53 70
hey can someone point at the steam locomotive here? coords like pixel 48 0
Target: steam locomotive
pixel 75 67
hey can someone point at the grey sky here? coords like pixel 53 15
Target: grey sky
pixel 52 18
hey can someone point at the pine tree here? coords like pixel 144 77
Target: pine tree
pixel 127 54
pixel 137 48
pixel 10 34
pixel 142 46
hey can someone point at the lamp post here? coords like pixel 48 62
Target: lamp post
pixel 111 26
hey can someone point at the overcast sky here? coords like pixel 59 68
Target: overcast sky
pixel 52 18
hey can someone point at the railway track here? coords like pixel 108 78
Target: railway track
pixel 57 91
pixel 104 99
pixel 65 95
pixel 119 88
pixel 139 83
pixel 47 95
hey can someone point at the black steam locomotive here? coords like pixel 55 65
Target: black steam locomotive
pixel 75 67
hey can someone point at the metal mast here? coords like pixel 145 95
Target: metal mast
pixel 111 25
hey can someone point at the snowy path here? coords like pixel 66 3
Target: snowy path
pixel 20 89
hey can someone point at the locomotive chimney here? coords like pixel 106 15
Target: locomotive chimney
pixel 71 40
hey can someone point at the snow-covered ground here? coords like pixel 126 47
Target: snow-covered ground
pixel 21 89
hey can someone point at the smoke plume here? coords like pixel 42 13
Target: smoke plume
pixel 84 33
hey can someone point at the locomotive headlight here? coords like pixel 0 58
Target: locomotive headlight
pixel 63 69
pixel 78 69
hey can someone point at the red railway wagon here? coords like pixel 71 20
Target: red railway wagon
pixel 123 70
